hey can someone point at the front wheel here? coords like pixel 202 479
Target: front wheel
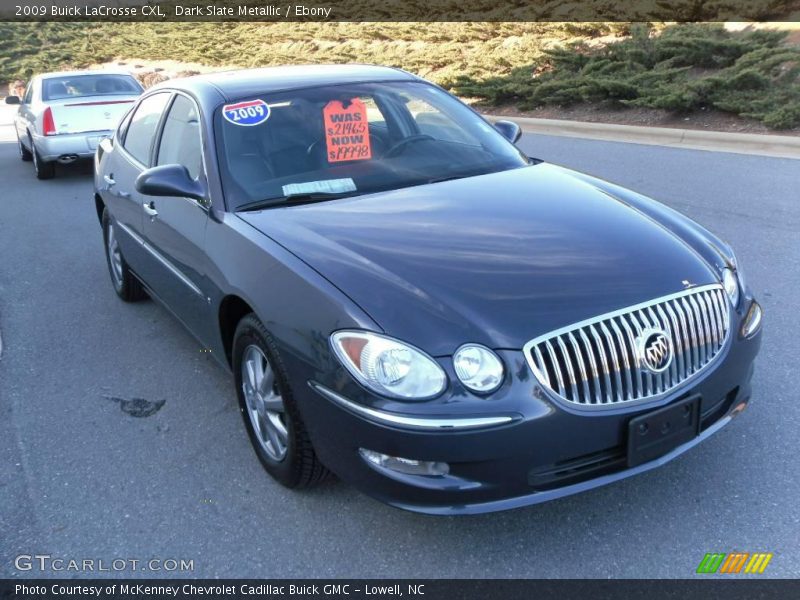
pixel 125 283
pixel 273 422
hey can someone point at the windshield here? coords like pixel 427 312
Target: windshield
pixel 77 86
pixel 346 140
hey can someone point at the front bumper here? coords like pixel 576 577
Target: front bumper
pixel 545 450
pixel 68 146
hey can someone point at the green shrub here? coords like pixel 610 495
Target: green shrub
pixel 682 68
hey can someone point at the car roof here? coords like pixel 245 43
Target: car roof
pixel 237 84
pixel 87 72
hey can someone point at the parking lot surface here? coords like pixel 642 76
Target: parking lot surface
pixel 80 477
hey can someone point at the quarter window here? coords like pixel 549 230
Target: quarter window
pixel 139 137
pixel 123 126
pixel 180 140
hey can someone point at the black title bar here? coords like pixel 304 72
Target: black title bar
pixel 712 587
pixel 399 10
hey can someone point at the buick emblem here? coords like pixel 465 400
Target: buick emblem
pixel 655 350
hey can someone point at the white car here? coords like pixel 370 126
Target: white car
pixel 63 116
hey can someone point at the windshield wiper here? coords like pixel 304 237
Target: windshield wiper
pixel 449 178
pixel 300 198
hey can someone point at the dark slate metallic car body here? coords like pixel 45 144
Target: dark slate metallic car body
pixel 497 259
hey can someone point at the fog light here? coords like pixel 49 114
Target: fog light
pixel 405 465
pixel 752 321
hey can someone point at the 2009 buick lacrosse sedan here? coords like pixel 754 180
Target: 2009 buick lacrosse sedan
pixel 407 300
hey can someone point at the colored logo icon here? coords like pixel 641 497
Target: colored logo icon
pixel 735 562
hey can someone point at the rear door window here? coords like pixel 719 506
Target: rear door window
pixel 143 125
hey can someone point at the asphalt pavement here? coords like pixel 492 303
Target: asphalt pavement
pixel 82 478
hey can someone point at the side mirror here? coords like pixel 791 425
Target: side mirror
pixel 12 100
pixel 169 180
pixel 509 130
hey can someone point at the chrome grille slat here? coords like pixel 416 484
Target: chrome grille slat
pixel 672 374
pixel 712 318
pixel 702 328
pixel 540 361
pixel 723 302
pixel 647 377
pixel 554 360
pixel 629 395
pixel 618 389
pixel 693 339
pixel 686 337
pixel 601 351
pixel 581 365
pixel 592 365
pixel 639 389
pixel 677 339
pixel 572 381
pixel 596 363
pixel 722 308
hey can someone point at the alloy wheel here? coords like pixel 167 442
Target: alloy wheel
pixel 114 256
pixel 264 403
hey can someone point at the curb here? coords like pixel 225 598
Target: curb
pixel 782 146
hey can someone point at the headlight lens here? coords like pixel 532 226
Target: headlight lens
pixel 752 321
pixel 731 286
pixel 389 367
pixel 478 368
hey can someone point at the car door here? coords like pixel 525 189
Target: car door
pixel 24 120
pixel 130 156
pixel 174 228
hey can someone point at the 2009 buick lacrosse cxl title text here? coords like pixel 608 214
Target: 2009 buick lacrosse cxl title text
pixel 106 11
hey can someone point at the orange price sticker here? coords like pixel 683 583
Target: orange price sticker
pixel 346 131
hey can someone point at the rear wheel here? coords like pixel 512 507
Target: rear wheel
pixel 24 153
pixel 273 422
pixel 125 284
pixel 44 169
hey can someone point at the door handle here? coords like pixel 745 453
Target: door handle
pixel 109 180
pixel 150 209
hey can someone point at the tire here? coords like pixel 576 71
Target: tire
pixel 24 153
pixel 44 170
pixel 125 283
pixel 289 457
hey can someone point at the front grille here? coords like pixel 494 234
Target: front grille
pixel 595 363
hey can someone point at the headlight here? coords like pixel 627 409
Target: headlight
pixel 389 367
pixel 478 368
pixel 731 286
pixel 752 320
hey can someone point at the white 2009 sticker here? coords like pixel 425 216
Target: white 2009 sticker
pixel 247 114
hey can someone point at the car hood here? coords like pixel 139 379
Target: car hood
pixel 496 259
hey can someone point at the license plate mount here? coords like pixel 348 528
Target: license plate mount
pixel 656 433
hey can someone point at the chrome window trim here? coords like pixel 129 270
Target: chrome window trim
pixel 121 146
pixel 409 422
pixel 656 387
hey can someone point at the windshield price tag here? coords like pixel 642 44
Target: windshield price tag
pixel 346 131
pixel 252 112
